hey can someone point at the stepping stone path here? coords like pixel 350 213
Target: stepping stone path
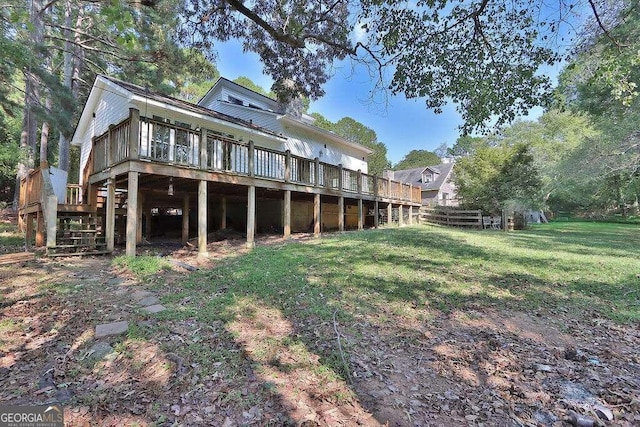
pixel 108 329
pixel 149 303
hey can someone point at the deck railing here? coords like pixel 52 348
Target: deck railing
pixel 178 144
pixel 73 195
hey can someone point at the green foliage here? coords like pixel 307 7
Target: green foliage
pixel 354 131
pixel 142 266
pixel 417 159
pixel 495 178
pixel 465 146
pixel 9 155
pixel 249 84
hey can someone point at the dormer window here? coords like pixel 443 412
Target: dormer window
pixel 427 177
pixel 234 100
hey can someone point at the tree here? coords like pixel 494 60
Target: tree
pixel 354 131
pixel 483 56
pixel 465 146
pixel 495 178
pixel 442 150
pixel 417 159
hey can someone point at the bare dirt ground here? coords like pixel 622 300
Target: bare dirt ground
pixel 476 368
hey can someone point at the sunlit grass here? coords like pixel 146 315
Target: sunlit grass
pixel 142 266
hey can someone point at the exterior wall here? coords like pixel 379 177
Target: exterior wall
pixel 222 93
pixel 111 108
pixel 304 144
pixel 449 188
pixel 301 142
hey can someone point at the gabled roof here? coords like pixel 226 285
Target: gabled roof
pixel 414 176
pixel 249 92
pixel 169 100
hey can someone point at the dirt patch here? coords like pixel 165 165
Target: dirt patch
pixel 492 368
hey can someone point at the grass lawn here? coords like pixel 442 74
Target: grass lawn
pixel 574 267
pixel 419 325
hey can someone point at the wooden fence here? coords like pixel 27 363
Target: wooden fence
pixel 451 216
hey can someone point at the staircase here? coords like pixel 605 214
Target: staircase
pixel 78 234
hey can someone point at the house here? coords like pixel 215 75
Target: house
pixel 152 166
pixel 434 182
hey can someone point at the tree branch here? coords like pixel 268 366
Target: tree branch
pixel 257 19
pixel 602 27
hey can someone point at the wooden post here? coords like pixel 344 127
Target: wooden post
pixel 400 215
pixel 132 214
pixel 110 214
pixel 287 166
pixel 51 220
pixel 359 181
pixel 340 177
pixel 251 155
pixel 40 229
pixel 316 215
pixel 204 154
pixel 375 188
pixel 185 219
pixel 134 133
pixel 223 212
pixel 287 214
pixel 410 214
pixel 389 213
pixel 139 219
pixel 28 227
pixel 110 149
pixel 376 209
pixel 147 225
pixel 341 213
pixel 251 216
pixel 202 219
pixel 360 215
pixel 316 172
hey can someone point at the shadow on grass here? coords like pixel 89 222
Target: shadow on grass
pixel 364 273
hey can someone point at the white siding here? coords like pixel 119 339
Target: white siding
pixel 263 119
pixel 111 108
pixel 305 144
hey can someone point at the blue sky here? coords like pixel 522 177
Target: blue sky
pixel 403 125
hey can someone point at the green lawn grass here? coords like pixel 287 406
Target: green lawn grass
pixel 575 267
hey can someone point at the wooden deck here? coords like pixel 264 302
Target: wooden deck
pixel 130 172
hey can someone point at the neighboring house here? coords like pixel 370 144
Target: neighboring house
pixel 234 160
pixel 434 181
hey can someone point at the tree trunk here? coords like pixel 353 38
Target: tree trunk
pixel 67 75
pixel 31 100
pixel 44 134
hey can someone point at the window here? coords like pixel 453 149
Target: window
pixel 427 177
pixel 234 100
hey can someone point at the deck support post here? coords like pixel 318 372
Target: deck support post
pixel 185 219
pixel 389 213
pixel 28 225
pixel 316 172
pixel 132 214
pixel 410 215
pixel 400 215
pixel 341 213
pixel 223 213
pixel 51 220
pixel 204 161
pixel 251 216
pixel 202 219
pixel 147 224
pixel 40 232
pixel 376 220
pixel 287 214
pixel 110 214
pixel 360 214
pixel 316 215
pixel 139 218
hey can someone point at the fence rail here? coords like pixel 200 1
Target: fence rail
pixel 163 142
pixel 450 216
